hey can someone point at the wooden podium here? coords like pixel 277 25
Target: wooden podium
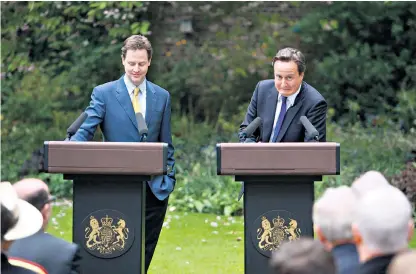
pixel 109 199
pixel 278 183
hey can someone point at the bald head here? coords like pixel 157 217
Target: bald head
pixel 28 187
pixel 368 182
pixel 36 192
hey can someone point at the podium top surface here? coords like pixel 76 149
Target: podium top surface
pixel 303 158
pixel 121 158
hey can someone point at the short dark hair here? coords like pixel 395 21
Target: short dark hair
pixel 136 42
pixel 39 199
pixel 291 54
pixel 7 220
pixel 303 256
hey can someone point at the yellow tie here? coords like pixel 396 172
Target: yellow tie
pixel 136 104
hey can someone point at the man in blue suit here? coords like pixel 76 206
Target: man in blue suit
pixel 113 106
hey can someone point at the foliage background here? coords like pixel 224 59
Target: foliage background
pixel 361 57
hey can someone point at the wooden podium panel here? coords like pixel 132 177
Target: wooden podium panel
pixel 105 158
pixel 278 158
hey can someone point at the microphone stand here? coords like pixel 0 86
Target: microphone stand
pixel 68 136
pixel 144 138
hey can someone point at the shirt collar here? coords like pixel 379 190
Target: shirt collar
pixel 130 86
pixel 291 98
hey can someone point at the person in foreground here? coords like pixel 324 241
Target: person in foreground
pixel 114 105
pixel 303 256
pixel 404 263
pixel 57 256
pixel 382 228
pixel 332 217
pixel 19 219
pixel 281 102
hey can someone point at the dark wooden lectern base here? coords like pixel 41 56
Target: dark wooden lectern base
pixel 115 204
pixel 276 209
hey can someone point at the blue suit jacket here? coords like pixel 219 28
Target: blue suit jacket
pixel 112 109
pixel 346 258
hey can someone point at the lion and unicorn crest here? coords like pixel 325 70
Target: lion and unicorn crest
pixel 107 237
pixel 272 236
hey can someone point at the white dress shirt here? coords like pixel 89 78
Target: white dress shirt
pixel 289 102
pixel 142 94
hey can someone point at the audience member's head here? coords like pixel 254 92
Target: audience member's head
pixel 303 256
pixel 369 181
pixel 36 192
pixel 333 215
pixel 404 263
pixel 19 219
pixel 383 223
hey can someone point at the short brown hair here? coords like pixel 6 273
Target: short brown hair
pixel 136 42
pixel 291 54
pixel 303 256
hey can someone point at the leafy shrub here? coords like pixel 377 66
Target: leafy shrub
pixel 361 70
pixel 406 182
pixel 363 149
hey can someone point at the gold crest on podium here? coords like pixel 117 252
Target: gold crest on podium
pixel 106 234
pixel 272 229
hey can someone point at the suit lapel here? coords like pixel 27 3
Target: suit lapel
pixel 123 98
pixel 290 114
pixel 151 99
pixel 271 103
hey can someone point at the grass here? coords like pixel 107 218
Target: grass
pixel 189 242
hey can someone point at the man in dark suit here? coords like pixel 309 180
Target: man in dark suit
pixel 332 216
pixel 55 255
pixel 282 101
pixel 382 228
pixel 113 106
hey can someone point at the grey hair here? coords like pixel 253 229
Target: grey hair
pixel 303 256
pixel 333 213
pixel 382 219
pixel 368 182
pixel 291 54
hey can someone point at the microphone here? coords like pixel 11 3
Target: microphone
pixel 249 130
pixel 141 124
pixel 73 128
pixel 310 129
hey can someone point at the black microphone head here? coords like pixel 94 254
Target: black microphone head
pixel 249 130
pixel 76 124
pixel 141 124
pixel 310 129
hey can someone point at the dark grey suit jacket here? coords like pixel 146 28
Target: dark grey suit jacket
pixel 309 102
pixel 55 255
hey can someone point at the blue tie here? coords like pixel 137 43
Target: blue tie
pixel 280 119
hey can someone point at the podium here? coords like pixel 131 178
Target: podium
pixel 109 195
pixel 278 183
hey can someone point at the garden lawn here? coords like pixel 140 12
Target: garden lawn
pixel 189 242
